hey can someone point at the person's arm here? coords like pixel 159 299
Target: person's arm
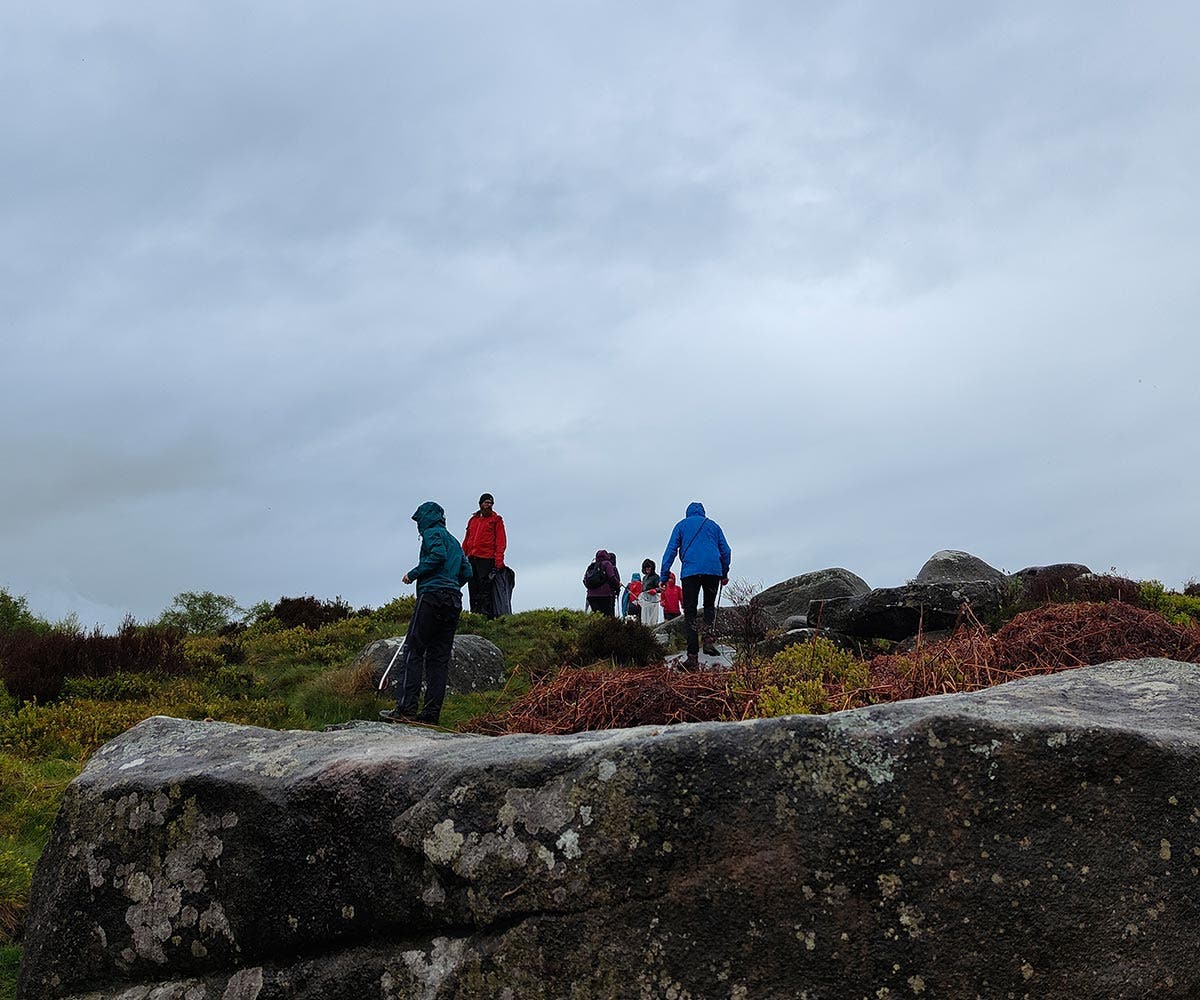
pixel 672 547
pixel 501 541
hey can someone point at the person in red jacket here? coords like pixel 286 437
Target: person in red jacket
pixel 484 546
pixel 671 595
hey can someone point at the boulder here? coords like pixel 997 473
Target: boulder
pixel 1043 583
pixel 793 596
pixel 953 566
pixel 1037 839
pixel 901 612
pixel 475 663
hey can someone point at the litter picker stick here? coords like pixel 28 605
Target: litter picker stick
pixel 383 679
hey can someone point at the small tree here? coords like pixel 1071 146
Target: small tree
pixel 201 613
pixel 15 613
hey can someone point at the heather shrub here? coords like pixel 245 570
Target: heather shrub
pixel 34 664
pixel 309 612
pixel 626 642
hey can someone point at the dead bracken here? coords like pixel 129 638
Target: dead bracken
pixel 1042 641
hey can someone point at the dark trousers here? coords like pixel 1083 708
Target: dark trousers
pixel 605 605
pixel 692 585
pixel 479 587
pixel 427 648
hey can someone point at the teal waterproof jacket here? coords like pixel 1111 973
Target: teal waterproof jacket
pixel 443 565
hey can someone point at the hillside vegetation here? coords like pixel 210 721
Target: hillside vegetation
pixel 290 665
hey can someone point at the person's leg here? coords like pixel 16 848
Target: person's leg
pixel 407 685
pixel 710 584
pixel 479 587
pixel 691 594
pixel 447 607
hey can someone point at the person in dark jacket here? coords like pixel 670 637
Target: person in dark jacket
pixel 602 597
pixel 439 575
pixel 704 555
pixel 484 544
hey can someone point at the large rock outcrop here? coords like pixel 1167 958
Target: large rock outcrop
pixel 901 612
pixel 1040 839
pixel 956 566
pixel 792 597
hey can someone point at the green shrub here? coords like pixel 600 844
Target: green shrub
pixel 119 687
pixel 797 698
pixel 796 680
pixel 15 614
pixel 202 613
pixel 1179 609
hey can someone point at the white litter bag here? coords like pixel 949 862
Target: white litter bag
pixel 651 609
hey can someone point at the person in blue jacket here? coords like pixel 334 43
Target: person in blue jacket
pixel 439 575
pixel 704 556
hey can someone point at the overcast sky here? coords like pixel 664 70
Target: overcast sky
pixel 869 280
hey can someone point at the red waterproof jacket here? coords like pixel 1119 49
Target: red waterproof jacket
pixel 485 538
pixel 671 595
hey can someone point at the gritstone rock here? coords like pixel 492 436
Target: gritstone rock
pixel 900 612
pixel 793 596
pixel 1038 839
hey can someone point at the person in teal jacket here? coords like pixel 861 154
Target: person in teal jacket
pixel 440 573
pixel 704 556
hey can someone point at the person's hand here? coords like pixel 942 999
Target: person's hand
pixel 407 579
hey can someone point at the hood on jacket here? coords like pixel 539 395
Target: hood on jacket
pixel 696 509
pixel 428 515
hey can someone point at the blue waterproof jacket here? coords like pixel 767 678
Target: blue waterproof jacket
pixel 443 565
pixel 701 546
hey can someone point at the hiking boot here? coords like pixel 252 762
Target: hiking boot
pixel 395 715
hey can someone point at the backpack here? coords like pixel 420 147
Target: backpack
pixel 594 576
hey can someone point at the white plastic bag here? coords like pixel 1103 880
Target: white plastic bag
pixel 651 608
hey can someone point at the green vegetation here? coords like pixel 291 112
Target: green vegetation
pixel 796 681
pixel 292 664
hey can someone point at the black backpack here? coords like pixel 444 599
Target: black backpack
pixel 594 576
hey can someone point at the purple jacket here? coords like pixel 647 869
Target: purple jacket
pixel 613 587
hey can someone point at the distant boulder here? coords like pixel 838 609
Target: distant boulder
pixel 793 596
pixel 1044 583
pixel 475 663
pixel 901 612
pixel 953 566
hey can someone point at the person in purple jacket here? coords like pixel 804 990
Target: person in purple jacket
pixel 602 583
